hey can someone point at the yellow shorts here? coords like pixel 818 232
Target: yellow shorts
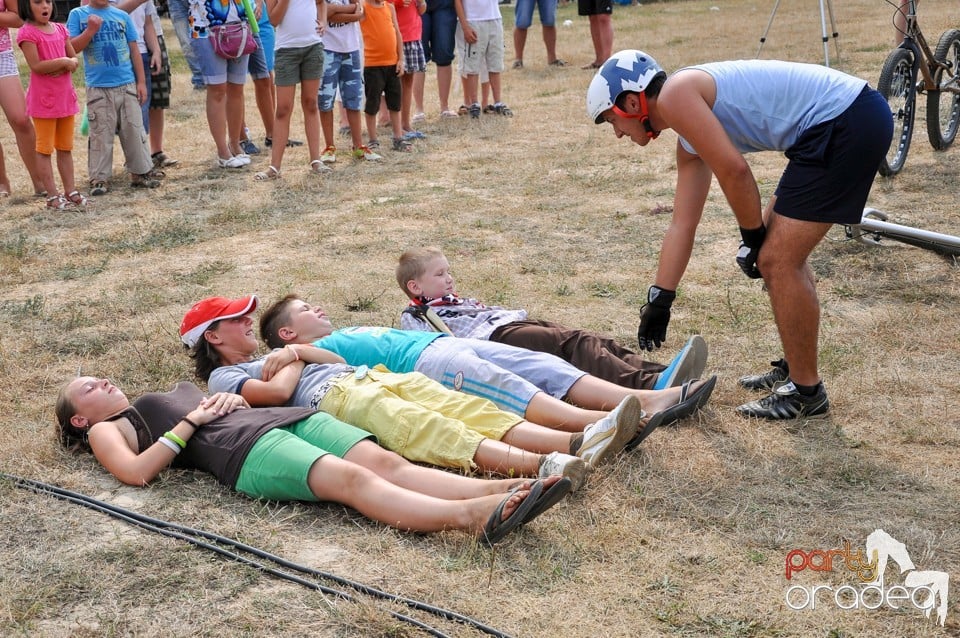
pixel 418 418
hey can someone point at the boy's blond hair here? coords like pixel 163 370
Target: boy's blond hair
pixel 413 263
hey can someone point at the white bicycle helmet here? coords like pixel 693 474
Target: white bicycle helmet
pixel 627 70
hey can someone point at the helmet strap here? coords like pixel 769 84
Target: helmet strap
pixel 643 116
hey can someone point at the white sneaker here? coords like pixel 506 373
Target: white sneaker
pixel 244 158
pixel 230 162
pixel 606 437
pixel 559 464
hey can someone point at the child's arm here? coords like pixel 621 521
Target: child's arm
pixel 277 9
pixel 138 72
pixel 321 16
pixel 52 67
pixel 276 391
pixel 469 35
pixel 343 13
pixel 80 41
pixel 9 18
pixel 153 44
pixel 421 6
pixel 396 29
pixel 293 352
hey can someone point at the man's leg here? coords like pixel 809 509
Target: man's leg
pixel 519 42
pixel 793 294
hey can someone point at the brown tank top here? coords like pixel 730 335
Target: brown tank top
pixel 219 447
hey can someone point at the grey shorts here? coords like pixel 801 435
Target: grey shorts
pixel 506 375
pixel 293 66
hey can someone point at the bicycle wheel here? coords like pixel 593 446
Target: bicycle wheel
pixel 943 107
pixel 898 84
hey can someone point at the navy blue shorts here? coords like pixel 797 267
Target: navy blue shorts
pixel 439 29
pixel 833 165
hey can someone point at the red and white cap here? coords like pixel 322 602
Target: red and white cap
pixel 211 309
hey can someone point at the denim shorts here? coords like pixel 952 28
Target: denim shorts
pixel 259 66
pixel 439 27
pixel 524 13
pixel 217 70
pixel 343 71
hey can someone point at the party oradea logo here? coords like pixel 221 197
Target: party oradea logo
pixel 922 590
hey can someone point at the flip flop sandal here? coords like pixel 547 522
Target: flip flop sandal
pixel 319 168
pixel 689 401
pixel 553 495
pixel 655 421
pixel 497 528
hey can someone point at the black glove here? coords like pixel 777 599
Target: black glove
pixel 750 250
pixel 654 317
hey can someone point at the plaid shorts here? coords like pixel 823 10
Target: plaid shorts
pixel 8 65
pixel 414 60
pixel 160 83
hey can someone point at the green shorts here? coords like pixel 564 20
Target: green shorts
pixel 277 466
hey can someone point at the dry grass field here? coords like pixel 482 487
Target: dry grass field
pixel 686 536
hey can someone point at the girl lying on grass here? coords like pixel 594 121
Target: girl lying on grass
pixel 287 454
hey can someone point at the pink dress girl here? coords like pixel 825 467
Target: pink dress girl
pixel 51 101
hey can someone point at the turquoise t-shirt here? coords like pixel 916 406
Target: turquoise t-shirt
pixel 398 350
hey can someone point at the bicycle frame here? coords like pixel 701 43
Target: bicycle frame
pixel 873 227
pixel 914 39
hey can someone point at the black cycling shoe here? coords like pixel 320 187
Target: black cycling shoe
pixel 786 403
pixel 768 380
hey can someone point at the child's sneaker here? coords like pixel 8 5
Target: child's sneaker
pixel 329 155
pixel 474 110
pixel 610 434
pixel 365 153
pixel 786 403
pixel 502 109
pixel 162 160
pixel 344 131
pixel 99 188
pixel 230 162
pixel 559 464
pixel 402 146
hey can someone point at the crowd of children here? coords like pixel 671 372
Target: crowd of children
pixel 369 54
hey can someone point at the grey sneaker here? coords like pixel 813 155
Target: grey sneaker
pixel 787 403
pixel 768 380
pixel 609 435
pixel 559 464
pixel 474 110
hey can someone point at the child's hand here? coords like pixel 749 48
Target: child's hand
pixel 400 67
pixel 94 23
pixel 277 360
pixel 321 28
pixel 72 64
pixel 155 63
pixel 141 93
pixel 469 35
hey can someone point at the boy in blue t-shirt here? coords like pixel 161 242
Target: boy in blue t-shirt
pixel 116 87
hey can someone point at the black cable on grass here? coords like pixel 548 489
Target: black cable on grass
pixel 193 537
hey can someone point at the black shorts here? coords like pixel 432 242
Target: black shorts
pixel 594 7
pixel 833 164
pixel 377 81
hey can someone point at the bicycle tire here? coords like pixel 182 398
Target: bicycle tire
pixel 898 86
pixel 943 107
